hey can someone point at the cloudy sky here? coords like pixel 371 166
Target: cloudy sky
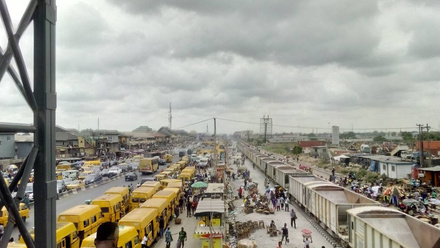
pixel 361 65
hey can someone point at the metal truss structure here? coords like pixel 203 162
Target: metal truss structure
pixel 42 101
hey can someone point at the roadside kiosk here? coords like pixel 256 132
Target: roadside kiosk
pixel 211 225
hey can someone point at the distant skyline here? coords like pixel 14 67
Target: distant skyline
pixel 362 66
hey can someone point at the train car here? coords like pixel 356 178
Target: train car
pixel 329 204
pixel 283 172
pixel 297 186
pixel 381 227
pixel 271 167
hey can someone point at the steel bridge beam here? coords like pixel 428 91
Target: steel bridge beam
pixel 44 119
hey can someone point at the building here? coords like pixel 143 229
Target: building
pixel 390 166
pixel 24 143
pixel 335 135
pixel 306 145
pixel 7 145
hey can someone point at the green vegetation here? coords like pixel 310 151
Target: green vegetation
pixel 379 138
pixel 284 149
pixel 347 135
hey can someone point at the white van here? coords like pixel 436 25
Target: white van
pixel 72 174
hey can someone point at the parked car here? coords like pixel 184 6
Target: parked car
pixel 162 161
pixel 114 171
pixel 94 178
pixel 104 172
pixel 61 186
pixel 30 191
pixel 131 176
pixel 124 167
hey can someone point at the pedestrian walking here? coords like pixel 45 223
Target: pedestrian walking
pixel 280 244
pixel 285 233
pixel 286 204
pixel 307 242
pixel 282 202
pixel 182 237
pixel 188 208
pixel 293 219
pixel 279 203
pixel 168 238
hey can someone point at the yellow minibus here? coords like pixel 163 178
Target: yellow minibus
pixel 160 177
pixel 140 195
pixel 124 192
pixel 128 237
pixel 111 206
pixel 162 207
pixel 152 184
pixel 170 196
pixel 164 183
pixel 148 165
pixel 86 218
pixel 22 209
pixel 146 222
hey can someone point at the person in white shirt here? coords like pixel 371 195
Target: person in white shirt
pixel 144 242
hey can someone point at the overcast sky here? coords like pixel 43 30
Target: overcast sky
pixel 361 65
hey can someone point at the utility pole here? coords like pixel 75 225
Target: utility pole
pixel 211 244
pixel 429 148
pixel 421 144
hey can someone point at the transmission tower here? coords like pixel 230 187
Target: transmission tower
pixel 266 127
pixel 42 101
pixel 170 118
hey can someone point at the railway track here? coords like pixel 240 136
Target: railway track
pixel 322 230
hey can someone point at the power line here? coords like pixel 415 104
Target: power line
pixel 247 122
pixel 195 123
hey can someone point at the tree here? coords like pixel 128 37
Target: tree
pixel 348 135
pixel 297 150
pixel 379 138
pixel 407 137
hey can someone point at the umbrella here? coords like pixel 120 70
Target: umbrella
pixel 13 166
pixel 199 185
pixel 306 231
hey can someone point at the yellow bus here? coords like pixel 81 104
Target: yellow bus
pixel 160 177
pixel 185 177
pixel 164 183
pixel 182 164
pixel 169 196
pixel 111 206
pixel 16 245
pixel 146 222
pixel 189 169
pixel 162 207
pixel 22 209
pixel 128 237
pixel 152 184
pixel 148 165
pixel 140 195
pixel 169 174
pixel 92 163
pixel 178 185
pixel 66 234
pixel 186 159
pixel 86 218
pixel 178 192
pixel 124 192
pixel 168 158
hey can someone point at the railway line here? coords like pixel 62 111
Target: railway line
pixel 344 217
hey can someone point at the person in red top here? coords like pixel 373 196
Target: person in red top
pixel 240 192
